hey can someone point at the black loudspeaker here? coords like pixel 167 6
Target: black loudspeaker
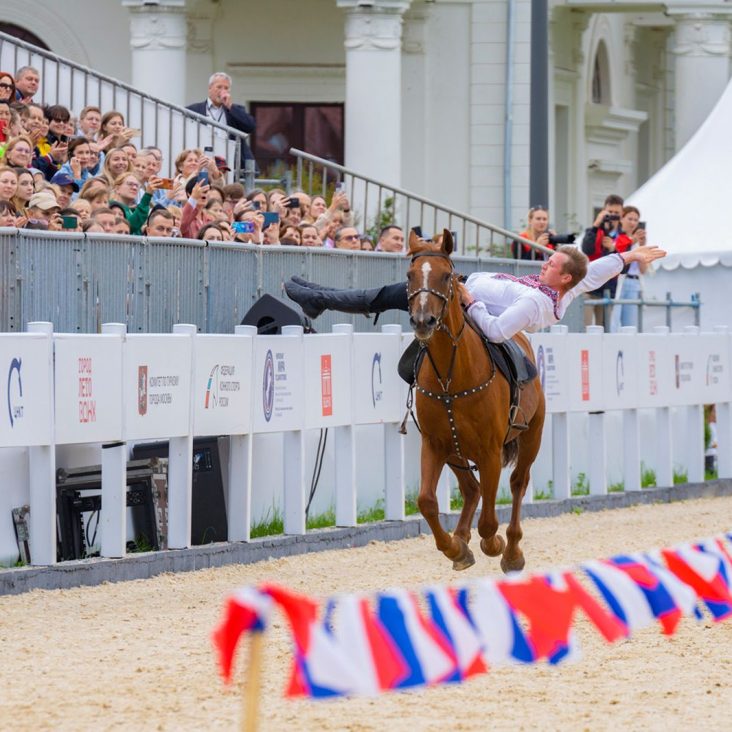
pixel 269 314
pixel 208 505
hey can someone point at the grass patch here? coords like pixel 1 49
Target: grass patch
pixel 456 501
pixel 576 510
pixel 503 498
pixel 648 477
pixel 581 486
pixel 322 520
pixel 268 526
pixel 410 504
pixel 616 487
pixel 680 476
pixel 710 475
pixel 546 495
pixel 369 515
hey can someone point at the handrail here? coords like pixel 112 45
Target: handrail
pixel 422 201
pixel 201 120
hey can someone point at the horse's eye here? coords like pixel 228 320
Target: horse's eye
pixel 446 277
pixel 410 275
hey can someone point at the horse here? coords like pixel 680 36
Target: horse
pixel 463 411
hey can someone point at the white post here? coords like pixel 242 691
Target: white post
pixel 42 477
pixel 724 419
pixel 113 517
pixel 239 498
pixel 443 490
pixel 180 471
pixel 394 470
pixel 597 472
pixel 561 472
pixel 631 438
pixel 373 31
pixel 664 436
pixel 345 460
pixel 158 35
pixel 694 437
pixel 701 72
pixel 294 467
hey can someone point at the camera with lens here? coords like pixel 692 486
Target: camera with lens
pixel 608 221
pixel 555 239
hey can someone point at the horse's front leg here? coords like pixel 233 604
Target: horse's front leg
pixel 453 547
pixel 470 491
pixel 491 542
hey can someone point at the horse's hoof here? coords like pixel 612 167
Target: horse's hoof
pixel 466 558
pixel 513 565
pixel 494 547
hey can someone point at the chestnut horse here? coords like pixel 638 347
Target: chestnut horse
pixel 463 404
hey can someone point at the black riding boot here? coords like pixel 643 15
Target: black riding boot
pixel 314 300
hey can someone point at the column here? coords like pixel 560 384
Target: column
pixel 373 32
pixel 158 32
pixel 701 49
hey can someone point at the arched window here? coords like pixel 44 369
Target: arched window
pixel 22 34
pixel 601 76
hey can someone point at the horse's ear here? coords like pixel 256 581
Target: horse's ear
pixel 414 241
pixel 447 242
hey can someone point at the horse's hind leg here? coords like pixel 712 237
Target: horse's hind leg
pixel 491 542
pixel 453 547
pixel 529 443
pixel 470 491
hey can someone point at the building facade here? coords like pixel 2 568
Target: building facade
pixel 429 95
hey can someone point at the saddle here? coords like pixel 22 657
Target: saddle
pixel 508 357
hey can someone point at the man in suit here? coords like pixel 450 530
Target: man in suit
pixel 220 107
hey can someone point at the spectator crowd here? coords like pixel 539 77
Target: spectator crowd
pixel 66 172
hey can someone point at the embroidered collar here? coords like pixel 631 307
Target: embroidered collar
pixel 533 281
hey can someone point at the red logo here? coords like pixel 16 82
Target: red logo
pixel 326 385
pixel 585 370
pixel 142 390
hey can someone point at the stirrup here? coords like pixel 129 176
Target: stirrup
pixel 512 415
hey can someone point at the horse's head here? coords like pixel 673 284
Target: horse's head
pixel 429 283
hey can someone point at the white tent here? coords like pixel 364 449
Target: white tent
pixel 686 201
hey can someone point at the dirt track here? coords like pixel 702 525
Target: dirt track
pixel 137 655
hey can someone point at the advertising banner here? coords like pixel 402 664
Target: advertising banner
pixel 327 372
pixel 26 411
pixel 278 386
pixel 552 363
pixel 620 371
pixel 88 379
pixel 222 393
pixel 157 386
pixel 655 370
pixel 376 383
pixel 586 388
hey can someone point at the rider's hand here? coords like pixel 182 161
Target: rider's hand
pixel 466 299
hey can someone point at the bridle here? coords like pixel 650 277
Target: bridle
pixel 446 397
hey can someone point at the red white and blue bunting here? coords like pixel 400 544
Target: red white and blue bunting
pixel 358 644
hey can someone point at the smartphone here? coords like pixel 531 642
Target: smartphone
pixel 208 149
pixel 202 177
pixel 69 222
pixel 256 205
pixel 243 227
pixel 167 184
pixel 63 138
pixel 135 131
pixel 418 231
pixel 340 187
pixel 641 224
pixel 292 202
pixel 270 217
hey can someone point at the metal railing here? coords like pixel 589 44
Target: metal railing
pixel 607 304
pixel 167 126
pixel 79 281
pixel 378 203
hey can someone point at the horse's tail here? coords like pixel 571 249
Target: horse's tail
pixel 510 452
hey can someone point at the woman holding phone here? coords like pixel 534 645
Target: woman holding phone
pixel 632 234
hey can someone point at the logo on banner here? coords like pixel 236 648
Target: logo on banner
pixel 376 393
pixel 142 390
pixel 541 366
pixel 652 380
pixel 87 402
pixel 15 392
pixel 268 386
pixel 585 371
pixel 619 374
pixel 677 370
pixel 714 369
pixel 221 383
pixel 212 389
pixel 326 385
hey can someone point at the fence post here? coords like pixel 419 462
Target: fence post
pixel 249 174
pixel 694 437
pixel 345 458
pixel 294 469
pixel 561 475
pixel 724 420
pixel 180 470
pixel 597 472
pixel 664 435
pixel 239 498
pixel 113 517
pixel 42 477
pixel 394 478
pixel 631 438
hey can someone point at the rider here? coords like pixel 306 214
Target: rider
pixel 501 305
